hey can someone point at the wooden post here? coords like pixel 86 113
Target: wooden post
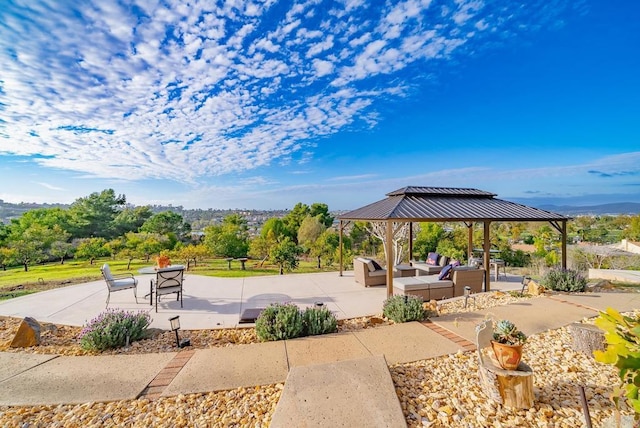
pixel 564 244
pixel 390 257
pixel 470 240
pixel 340 245
pixel 410 240
pixel 487 256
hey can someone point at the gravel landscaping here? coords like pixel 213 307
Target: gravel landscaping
pixel 439 392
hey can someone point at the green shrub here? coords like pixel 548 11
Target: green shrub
pixel 564 280
pixel 403 308
pixel 114 329
pixel 622 334
pixel 319 321
pixel 280 321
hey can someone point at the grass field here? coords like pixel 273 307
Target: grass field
pixel 16 282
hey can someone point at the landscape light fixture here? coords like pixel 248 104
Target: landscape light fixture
pixel 467 294
pixel 175 326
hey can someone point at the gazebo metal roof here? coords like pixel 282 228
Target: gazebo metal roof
pixel 418 203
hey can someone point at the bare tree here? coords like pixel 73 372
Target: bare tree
pixel 400 238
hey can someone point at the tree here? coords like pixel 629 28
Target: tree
pixel 260 247
pixel 632 232
pixel 94 215
pixel 60 247
pixel 91 248
pixel 167 223
pixel 326 246
pixel 274 228
pixel 310 229
pixel 131 219
pixel 399 236
pixel 230 239
pixel 191 253
pixel 427 238
pixel 294 219
pixel 29 245
pixel 322 212
pixel 285 255
pixel 144 244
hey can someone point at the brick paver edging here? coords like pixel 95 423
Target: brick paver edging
pixel 558 299
pixel 166 375
pixel 459 340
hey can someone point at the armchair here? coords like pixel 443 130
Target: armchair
pixel 118 282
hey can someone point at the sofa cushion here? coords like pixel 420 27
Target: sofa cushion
pixel 444 260
pixel 432 259
pixel 380 272
pixel 446 272
pixel 440 284
pixel 370 265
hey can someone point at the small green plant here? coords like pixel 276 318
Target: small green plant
pixel 280 321
pixel 114 329
pixel 403 308
pixel 622 334
pixel 319 321
pixel 504 331
pixel 564 280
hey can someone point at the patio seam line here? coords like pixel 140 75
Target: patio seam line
pixel 353 333
pixel 75 302
pixel 448 334
pixel 579 305
pixel 30 368
pixel 166 375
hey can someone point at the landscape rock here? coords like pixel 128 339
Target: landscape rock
pixel 28 334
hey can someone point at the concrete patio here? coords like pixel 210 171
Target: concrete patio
pixel 211 302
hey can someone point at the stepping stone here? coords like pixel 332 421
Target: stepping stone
pixel 349 393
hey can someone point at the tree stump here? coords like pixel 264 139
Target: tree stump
pixel 587 338
pixel 511 388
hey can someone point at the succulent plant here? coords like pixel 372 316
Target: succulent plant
pixel 504 331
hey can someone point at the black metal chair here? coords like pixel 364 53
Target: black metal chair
pixel 168 281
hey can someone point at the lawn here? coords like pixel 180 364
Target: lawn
pixel 15 281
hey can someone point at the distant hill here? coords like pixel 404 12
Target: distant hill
pixel 632 208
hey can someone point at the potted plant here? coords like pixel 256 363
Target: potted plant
pixel 507 344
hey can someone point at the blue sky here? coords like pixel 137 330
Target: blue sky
pixel 263 104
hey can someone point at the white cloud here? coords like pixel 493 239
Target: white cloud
pixel 191 90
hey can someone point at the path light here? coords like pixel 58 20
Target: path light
pixel 319 304
pixel 175 326
pixel 467 295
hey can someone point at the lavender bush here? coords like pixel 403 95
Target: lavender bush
pixel 114 329
pixel 564 280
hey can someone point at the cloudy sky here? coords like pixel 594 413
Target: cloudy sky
pixel 263 104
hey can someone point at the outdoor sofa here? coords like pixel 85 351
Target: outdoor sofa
pixel 431 287
pixel 434 264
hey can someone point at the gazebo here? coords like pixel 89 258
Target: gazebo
pixel 447 204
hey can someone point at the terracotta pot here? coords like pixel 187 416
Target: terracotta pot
pixel 508 356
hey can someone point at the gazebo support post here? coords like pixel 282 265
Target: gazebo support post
pixel 390 257
pixel 564 245
pixel 487 261
pixel 470 241
pixel 340 227
pixel 410 240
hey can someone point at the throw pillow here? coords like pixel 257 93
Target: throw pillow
pixel 370 265
pixel 432 259
pixel 376 265
pixel 444 260
pixel 445 273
